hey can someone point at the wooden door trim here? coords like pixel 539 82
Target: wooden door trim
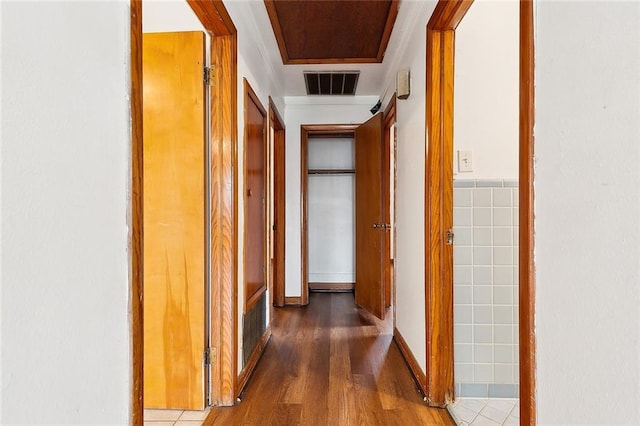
pixel 526 284
pixel 307 130
pixel 439 217
pixel 214 17
pixel 388 121
pixel 250 95
pixel 439 124
pixel 224 221
pixel 439 386
pixel 136 237
pixel 279 209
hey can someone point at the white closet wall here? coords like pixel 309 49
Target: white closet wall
pixel 331 211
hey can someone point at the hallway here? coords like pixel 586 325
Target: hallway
pixel 330 364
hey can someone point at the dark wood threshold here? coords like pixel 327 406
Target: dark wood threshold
pixel 293 301
pixel 248 370
pixel 331 286
pixel 416 372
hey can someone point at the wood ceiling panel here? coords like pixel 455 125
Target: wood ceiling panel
pixel 329 32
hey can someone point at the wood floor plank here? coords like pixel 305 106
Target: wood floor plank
pixel 286 414
pixel 330 363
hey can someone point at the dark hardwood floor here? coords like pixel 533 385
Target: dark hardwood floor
pixel 330 363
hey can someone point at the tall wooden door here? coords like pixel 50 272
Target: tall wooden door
pixel 174 219
pixel 370 225
pixel 255 207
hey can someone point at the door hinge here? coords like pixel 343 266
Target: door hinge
pixel 210 356
pixel 209 75
pixel 383 226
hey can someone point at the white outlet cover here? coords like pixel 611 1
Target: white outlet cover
pixel 465 161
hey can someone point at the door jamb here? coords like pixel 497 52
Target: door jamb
pixel 136 218
pixel 439 123
pixel 526 283
pixel 307 130
pixel 278 203
pixel 389 145
pixel 439 386
pixel 218 23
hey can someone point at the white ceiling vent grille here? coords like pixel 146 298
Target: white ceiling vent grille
pixel 331 83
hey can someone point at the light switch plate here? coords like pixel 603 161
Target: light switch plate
pixel 465 161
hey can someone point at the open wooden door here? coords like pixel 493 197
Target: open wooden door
pixel 370 225
pixel 174 219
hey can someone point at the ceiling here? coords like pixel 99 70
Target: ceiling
pixel 374 77
pixel 330 32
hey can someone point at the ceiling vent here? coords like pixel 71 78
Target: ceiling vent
pixel 331 83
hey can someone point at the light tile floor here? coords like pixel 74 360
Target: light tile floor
pixel 485 412
pixel 174 417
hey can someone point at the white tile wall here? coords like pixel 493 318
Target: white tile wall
pixel 485 218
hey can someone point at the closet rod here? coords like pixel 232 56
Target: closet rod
pixel 330 171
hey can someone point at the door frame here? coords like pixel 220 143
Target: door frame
pixel 439 381
pixel 278 206
pixel 306 131
pixel 218 24
pixel 389 120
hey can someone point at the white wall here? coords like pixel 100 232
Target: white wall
pixel 65 168
pixel 587 211
pixel 410 166
pixel 298 111
pixel 331 204
pixel 486 89
pixel 169 15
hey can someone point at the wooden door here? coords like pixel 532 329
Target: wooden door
pixel 174 219
pixel 370 225
pixel 255 197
